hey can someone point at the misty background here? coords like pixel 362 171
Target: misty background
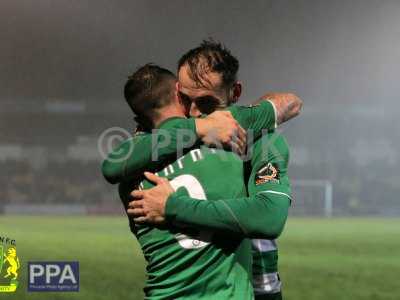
pixel 63 65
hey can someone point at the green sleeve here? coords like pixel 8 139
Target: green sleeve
pixel 147 151
pixel 255 118
pixel 261 215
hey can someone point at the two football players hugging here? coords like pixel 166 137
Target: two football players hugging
pixel 205 217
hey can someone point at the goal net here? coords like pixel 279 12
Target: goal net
pixel 312 197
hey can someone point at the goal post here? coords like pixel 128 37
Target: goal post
pixel 313 197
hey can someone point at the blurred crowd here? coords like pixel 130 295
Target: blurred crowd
pixel 66 183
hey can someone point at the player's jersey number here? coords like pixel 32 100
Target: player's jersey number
pixel 195 190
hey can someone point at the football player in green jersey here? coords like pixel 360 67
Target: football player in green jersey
pixel 260 216
pixel 268 175
pixel 185 261
pixel 195 81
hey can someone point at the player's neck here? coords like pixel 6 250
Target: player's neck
pixel 167 113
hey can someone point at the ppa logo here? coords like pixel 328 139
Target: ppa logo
pixel 53 276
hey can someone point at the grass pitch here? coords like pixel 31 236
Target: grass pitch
pixel 319 258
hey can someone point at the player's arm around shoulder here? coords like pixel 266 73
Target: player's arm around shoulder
pixel 147 150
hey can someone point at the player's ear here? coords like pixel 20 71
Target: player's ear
pixel 236 91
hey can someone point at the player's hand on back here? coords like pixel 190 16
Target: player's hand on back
pixel 220 129
pixel 148 206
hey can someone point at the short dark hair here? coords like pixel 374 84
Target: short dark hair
pixel 218 59
pixel 148 89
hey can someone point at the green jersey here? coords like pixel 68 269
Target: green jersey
pixel 122 165
pixel 260 216
pixel 187 263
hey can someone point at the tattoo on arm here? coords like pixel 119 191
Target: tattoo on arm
pixel 287 105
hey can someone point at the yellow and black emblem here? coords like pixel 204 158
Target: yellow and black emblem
pixel 9 267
